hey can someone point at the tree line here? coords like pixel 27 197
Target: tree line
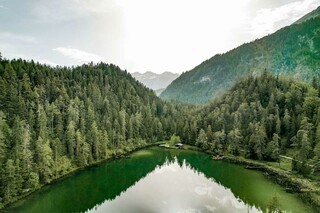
pixel 54 120
pixel 261 118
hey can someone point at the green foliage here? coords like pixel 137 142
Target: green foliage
pixel 292 51
pixel 317 151
pixel 43 155
pixel 54 120
pixel 234 138
pixel 33 181
pixel 174 139
pixel 273 148
pixel 261 118
pixel 274 205
pixel 202 140
pixel 257 141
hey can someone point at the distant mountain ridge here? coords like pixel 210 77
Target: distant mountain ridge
pixel 313 14
pixel 293 50
pixel 155 81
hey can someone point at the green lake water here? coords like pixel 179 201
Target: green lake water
pixel 159 180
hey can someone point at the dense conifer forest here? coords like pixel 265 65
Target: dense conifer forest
pixel 262 118
pixel 54 120
pixel 238 132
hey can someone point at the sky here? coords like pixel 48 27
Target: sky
pixel 138 35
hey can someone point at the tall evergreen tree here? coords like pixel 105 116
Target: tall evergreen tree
pixel 44 160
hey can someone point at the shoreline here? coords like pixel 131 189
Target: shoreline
pixel 123 154
pixel 307 190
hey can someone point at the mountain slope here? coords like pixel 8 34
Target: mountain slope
pixel 159 91
pixel 265 118
pixel 155 81
pixel 260 118
pixel 293 50
pixel 313 14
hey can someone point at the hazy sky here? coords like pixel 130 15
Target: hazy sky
pixel 138 35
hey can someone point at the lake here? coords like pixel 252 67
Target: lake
pixel 158 180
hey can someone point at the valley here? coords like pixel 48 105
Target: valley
pixel 239 132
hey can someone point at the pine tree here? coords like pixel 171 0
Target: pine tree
pixel 93 140
pixel 9 181
pixel 305 149
pixel 210 134
pixel 317 157
pixel 4 136
pixel 22 148
pixel 81 157
pixel 122 119
pixel 273 146
pixel 234 139
pixel 70 139
pixel 104 143
pixel 278 125
pixel 42 123
pixel 257 141
pixel 44 160
pixel 56 155
pixel 219 141
pixel 202 140
pixel 33 181
pixel 287 125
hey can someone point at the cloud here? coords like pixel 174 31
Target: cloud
pixel 8 36
pixel 39 59
pixel 55 11
pixel 3 7
pixel 268 20
pixel 61 10
pixel 46 61
pixel 78 55
pixel 98 7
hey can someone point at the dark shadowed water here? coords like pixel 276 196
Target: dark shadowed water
pixel 158 180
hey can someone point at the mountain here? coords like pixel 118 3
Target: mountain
pixel 159 91
pixel 155 81
pixel 293 50
pixel 262 118
pixel 313 14
pixel 55 120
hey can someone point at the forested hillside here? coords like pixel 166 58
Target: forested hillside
pixel 313 14
pixel 293 50
pixel 54 120
pixel 261 118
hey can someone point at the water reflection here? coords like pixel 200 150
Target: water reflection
pixel 159 180
pixel 175 187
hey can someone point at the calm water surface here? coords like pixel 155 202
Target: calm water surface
pixel 158 180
